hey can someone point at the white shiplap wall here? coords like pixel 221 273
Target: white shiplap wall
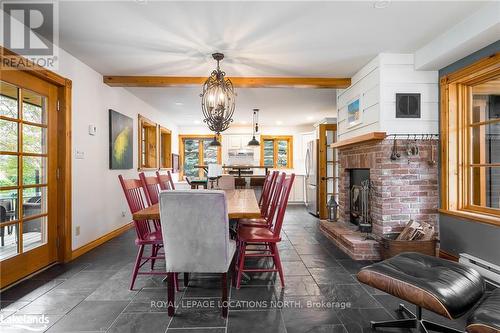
pixel 366 86
pixel 399 76
pixel 376 85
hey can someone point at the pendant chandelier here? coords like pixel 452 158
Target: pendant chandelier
pixel 255 125
pixel 218 101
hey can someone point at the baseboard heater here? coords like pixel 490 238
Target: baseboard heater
pixel 488 270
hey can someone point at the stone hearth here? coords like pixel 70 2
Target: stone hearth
pixel 351 241
pixel 403 189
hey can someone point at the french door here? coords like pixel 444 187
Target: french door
pixel 28 167
pixel 328 168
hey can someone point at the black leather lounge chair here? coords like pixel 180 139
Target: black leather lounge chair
pixel 441 286
pixel 486 317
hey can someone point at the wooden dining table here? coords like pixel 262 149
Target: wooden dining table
pixel 240 204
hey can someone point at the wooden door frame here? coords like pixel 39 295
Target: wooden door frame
pixel 164 152
pixel 141 121
pixel 322 168
pixel 200 152
pixel 275 138
pixel 12 61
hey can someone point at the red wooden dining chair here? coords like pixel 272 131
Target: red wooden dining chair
pixel 265 186
pixel 269 203
pixel 268 237
pixel 151 187
pixel 166 182
pixel 146 236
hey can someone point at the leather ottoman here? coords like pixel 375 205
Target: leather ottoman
pixel 486 317
pixel 441 286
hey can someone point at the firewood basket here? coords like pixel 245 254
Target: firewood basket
pixel 391 247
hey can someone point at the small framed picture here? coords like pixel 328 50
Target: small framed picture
pixel 354 113
pixel 175 163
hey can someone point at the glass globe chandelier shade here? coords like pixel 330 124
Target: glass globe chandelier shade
pixel 218 99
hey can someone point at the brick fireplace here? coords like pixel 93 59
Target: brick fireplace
pixel 403 189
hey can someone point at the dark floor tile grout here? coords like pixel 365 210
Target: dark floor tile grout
pixel 302 231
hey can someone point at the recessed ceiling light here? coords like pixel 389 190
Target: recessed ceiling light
pixel 310 118
pixel 244 122
pixel 279 122
pixel 381 4
pixel 197 122
pixel 179 104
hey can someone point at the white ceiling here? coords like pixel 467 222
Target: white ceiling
pixel 278 106
pixel 287 38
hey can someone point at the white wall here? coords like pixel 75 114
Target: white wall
pixel 376 85
pixel 98 201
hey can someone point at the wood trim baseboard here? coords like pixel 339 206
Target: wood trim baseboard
pixel 101 240
pixel 447 255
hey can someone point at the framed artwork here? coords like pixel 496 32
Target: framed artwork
pixel 353 113
pixel 121 134
pixel 175 163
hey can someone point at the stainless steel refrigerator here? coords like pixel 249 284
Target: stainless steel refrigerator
pixel 312 177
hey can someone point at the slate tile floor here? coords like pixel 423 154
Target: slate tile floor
pixel 321 295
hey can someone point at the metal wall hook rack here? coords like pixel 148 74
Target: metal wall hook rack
pixel 414 136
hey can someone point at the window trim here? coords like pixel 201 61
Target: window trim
pixel 164 152
pixel 182 137
pixel 141 122
pixel 455 138
pixel 276 138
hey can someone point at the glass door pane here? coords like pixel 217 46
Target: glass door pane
pixel 269 153
pixel 8 100
pixel 34 170
pixel 282 146
pixel 34 108
pixel 191 157
pixel 34 233
pixel 9 170
pixel 209 152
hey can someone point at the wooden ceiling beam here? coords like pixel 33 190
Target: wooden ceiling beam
pixel 238 82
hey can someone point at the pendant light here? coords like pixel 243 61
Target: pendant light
pixel 214 142
pixel 218 100
pixel 255 127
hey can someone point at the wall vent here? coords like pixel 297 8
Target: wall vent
pixel 407 105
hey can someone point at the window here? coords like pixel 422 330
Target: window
pixel 148 147
pixel 470 120
pixel 195 150
pixel 276 151
pixel 165 148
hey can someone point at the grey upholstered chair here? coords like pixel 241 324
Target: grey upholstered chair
pixel 195 231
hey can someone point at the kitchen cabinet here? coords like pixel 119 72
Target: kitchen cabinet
pixel 237 141
pixel 234 142
pixel 297 192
